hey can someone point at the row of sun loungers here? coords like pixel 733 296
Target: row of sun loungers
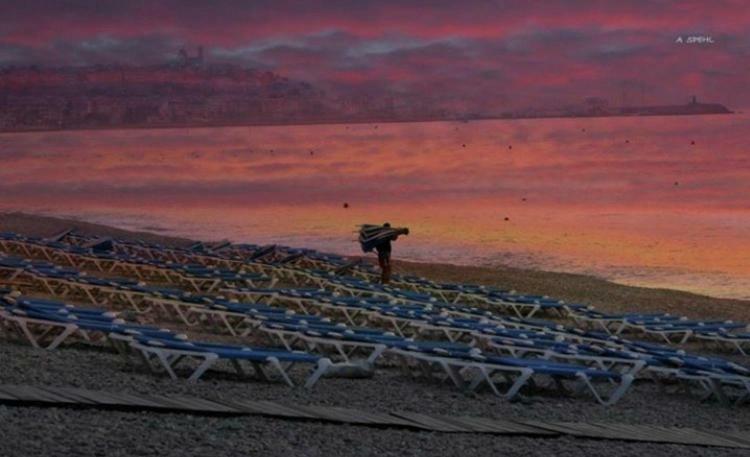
pixel 221 254
pixel 203 279
pixel 500 346
pixel 49 323
pixel 672 329
pixel 465 366
pixel 453 363
pixel 717 332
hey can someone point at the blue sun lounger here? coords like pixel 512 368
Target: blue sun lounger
pixel 456 361
pixel 170 353
pixel 49 323
pixel 739 341
pixel 317 337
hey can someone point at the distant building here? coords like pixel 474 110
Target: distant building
pixel 596 106
pixel 191 61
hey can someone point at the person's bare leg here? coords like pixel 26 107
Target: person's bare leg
pixel 383 266
pixel 386 278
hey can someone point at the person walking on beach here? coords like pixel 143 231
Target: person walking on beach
pixel 380 238
pixel 384 258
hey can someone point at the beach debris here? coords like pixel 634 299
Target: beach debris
pixel 676 183
pixel 583 130
pixel 463 145
pixel 346 205
pixel 510 146
pixel 692 142
pixel 312 152
pixel 627 141
pixel 523 199
pixel 99 244
pixel 359 369
pixel 60 235
pixel 506 218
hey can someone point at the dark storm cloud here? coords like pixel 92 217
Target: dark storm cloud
pixel 478 53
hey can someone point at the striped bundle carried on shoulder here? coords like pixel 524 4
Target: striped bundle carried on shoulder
pixel 371 235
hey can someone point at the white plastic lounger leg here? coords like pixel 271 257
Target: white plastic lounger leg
pixel 273 361
pixel 625 382
pixel 517 385
pixel 713 388
pixel 238 368
pixel 337 346
pixel 377 352
pixel 163 359
pixel 321 368
pixel 146 354
pixel 740 348
pixel 226 323
pixel 29 336
pixel 69 330
pixel 453 374
pixel 146 359
pixel 485 374
pixel 208 360
pixel 259 371
pixel 533 311
pixel 280 335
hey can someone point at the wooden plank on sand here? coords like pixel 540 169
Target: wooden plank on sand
pixel 268 408
pixel 433 423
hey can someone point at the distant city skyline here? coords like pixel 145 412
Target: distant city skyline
pixel 485 56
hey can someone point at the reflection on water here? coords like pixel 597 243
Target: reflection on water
pixel 630 199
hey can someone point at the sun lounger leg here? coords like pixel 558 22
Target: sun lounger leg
pixel 208 360
pixel 62 336
pixel 273 361
pixel 320 369
pixel 29 336
pixel 520 381
pixel 454 375
pixel 162 357
pixel 375 354
pixel 626 381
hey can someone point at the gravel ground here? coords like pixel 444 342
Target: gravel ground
pixel 80 433
pixel 389 390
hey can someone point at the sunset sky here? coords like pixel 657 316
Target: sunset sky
pixel 665 197
pixel 475 54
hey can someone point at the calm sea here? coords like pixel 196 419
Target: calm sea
pixel 653 201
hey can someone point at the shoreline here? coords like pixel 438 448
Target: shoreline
pixel 336 122
pixel 571 287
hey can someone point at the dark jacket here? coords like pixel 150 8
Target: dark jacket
pixel 384 248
